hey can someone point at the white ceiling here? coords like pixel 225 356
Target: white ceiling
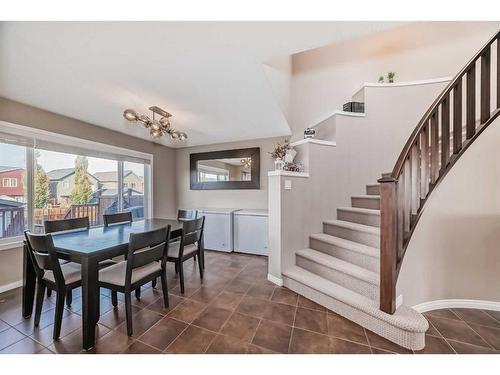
pixel 209 75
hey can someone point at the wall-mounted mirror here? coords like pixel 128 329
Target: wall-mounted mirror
pixel 228 169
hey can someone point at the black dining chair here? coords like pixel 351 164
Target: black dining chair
pixel 123 218
pixel 64 225
pixel 189 245
pixel 186 215
pixel 69 225
pixel 52 275
pixel 53 226
pixel 119 218
pixel 146 261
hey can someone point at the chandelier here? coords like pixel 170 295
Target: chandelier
pixel 157 128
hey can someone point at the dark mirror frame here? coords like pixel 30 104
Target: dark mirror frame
pixel 254 183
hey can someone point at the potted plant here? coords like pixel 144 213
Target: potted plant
pixel 390 76
pixel 278 154
pixel 381 79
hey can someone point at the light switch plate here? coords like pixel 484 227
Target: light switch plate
pixel 288 184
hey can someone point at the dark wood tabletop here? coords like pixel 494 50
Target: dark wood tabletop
pixel 105 239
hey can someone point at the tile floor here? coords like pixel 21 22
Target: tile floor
pixel 234 310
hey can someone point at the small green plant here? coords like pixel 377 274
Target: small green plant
pixel 381 79
pixel 390 76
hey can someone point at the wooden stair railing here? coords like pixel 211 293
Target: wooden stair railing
pixel 430 152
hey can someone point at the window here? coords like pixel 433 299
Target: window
pixel 133 191
pixel 9 182
pixel 13 195
pixel 44 176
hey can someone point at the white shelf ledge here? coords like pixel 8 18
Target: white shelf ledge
pixel 403 83
pixel 313 141
pixel 288 174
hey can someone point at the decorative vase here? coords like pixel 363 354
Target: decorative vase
pixel 279 164
pixel 290 155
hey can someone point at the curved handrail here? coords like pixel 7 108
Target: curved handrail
pixel 432 149
pixel 418 129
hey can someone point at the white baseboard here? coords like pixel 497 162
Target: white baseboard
pixel 14 285
pixel 275 280
pixel 458 304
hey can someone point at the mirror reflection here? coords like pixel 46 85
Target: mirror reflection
pixel 230 169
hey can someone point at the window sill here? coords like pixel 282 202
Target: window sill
pixel 11 243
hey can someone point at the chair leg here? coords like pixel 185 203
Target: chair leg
pixel 114 298
pixel 181 276
pixel 164 287
pixel 176 267
pixel 194 258
pixel 153 283
pixel 40 294
pixel 128 312
pixel 49 292
pixel 138 293
pixel 69 297
pixel 200 266
pixel 60 295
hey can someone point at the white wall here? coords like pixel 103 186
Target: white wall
pixel 454 252
pixel 326 77
pixel 252 198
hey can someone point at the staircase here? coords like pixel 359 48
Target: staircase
pixel 352 267
pixel 340 270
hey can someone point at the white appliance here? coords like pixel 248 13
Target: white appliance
pixel 251 232
pixel 218 231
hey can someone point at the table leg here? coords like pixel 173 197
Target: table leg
pixel 29 283
pixel 90 295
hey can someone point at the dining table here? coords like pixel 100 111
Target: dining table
pixel 88 247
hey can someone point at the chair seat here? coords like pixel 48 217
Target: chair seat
pixel 72 272
pixel 173 249
pixel 115 274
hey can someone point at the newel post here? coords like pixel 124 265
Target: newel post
pixel 388 243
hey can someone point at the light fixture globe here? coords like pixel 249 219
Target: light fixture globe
pixel 130 115
pixel 165 123
pixel 182 136
pixel 174 135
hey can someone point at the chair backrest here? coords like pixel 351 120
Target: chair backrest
pixel 43 255
pixel 147 247
pixel 52 226
pixel 192 232
pixel 119 218
pixel 187 214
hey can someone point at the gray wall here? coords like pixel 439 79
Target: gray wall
pixel 163 172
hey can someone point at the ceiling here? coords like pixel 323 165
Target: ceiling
pixel 209 75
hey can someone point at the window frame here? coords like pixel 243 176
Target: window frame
pixel 32 134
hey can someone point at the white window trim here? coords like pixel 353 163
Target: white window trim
pixel 66 140
pixel 6 182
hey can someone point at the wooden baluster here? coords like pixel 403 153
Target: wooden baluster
pixel 485 85
pixel 415 178
pixel 498 72
pixel 445 132
pixel 471 102
pixel 400 192
pixel 407 197
pixel 424 142
pixel 434 148
pixel 457 117
pixel 388 244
